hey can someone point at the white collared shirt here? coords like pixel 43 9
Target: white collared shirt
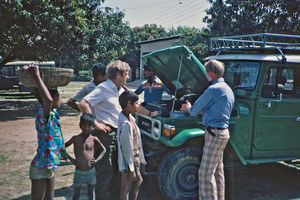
pixel 104 99
pixel 84 91
pixel 125 143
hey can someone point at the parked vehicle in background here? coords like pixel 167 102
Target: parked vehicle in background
pixel 264 72
pixel 9 78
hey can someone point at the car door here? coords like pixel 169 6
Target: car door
pixel 277 121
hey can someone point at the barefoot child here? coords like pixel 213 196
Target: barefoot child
pixel 130 153
pixel 84 145
pixel 50 139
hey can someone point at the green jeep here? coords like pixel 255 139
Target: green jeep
pixel 264 72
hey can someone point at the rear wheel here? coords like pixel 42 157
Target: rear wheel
pixel 178 174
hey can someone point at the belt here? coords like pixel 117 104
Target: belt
pixel 212 133
pixel 112 128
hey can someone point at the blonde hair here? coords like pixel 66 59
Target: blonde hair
pixel 116 66
pixel 215 67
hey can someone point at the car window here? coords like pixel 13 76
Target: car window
pixel 281 81
pixel 287 79
pixel 7 71
pixel 241 74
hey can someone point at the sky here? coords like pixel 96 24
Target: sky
pixel 167 13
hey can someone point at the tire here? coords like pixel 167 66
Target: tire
pixel 178 174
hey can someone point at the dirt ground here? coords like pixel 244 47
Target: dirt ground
pixel 18 145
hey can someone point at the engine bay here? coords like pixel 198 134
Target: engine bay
pixel 167 107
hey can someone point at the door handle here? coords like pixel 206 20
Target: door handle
pixel 269 103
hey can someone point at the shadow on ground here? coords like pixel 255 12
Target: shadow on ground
pixel 148 191
pixel 17 109
pixel 65 110
pixel 20 109
pixel 62 193
pixel 269 181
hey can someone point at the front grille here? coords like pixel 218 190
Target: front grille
pixel 149 126
pixel 144 124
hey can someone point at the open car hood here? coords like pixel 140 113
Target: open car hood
pixel 177 67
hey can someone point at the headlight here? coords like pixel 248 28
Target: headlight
pixel 169 130
pixel 156 129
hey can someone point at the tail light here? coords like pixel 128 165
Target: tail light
pixel 169 130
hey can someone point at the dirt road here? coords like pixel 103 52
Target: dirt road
pixel 18 144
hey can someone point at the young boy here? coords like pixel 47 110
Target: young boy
pixel 84 161
pixel 130 151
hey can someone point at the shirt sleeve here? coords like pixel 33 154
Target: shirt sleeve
pixel 95 96
pixel 167 90
pixel 81 94
pixel 139 90
pixel 126 145
pixel 202 103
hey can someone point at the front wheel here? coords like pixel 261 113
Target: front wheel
pixel 178 174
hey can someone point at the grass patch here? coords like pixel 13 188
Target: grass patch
pixel 73 85
pixel 2 182
pixel 3 158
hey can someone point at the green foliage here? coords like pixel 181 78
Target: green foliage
pixel 85 75
pixel 228 17
pixel 148 32
pixel 196 40
pixel 78 34
pixel 107 37
pixel 138 34
pixel 40 30
pixel 73 33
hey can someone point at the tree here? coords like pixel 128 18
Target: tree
pixel 41 30
pixel 138 34
pixel 228 17
pixel 74 33
pixel 107 37
pixel 196 40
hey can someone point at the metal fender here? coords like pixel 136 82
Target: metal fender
pixel 182 137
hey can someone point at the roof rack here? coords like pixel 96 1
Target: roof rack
pixel 256 41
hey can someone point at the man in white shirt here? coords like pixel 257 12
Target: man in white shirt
pixel 99 75
pixel 104 99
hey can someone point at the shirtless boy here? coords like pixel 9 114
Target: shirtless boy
pixel 84 145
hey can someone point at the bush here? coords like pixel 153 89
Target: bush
pixel 84 75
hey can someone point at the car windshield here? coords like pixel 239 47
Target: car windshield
pixel 241 74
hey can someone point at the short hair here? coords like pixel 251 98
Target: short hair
pixel 116 66
pixel 99 68
pixel 127 96
pixel 215 67
pixel 146 67
pixel 87 118
pixel 53 93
